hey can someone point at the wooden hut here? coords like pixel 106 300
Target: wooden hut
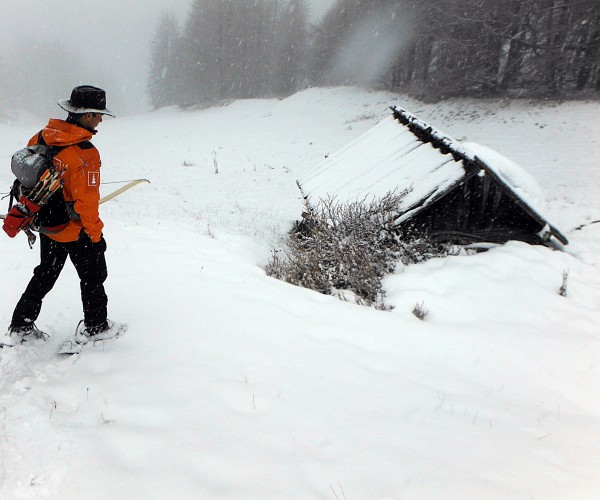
pixel 457 192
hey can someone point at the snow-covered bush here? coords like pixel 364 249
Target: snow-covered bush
pixel 348 247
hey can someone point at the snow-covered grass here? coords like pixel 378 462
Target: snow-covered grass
pixel 231 384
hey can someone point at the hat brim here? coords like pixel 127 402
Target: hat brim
pixel 66 105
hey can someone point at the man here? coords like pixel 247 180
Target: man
pixel 80 238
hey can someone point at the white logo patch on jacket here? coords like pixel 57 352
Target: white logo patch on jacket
pixel 93 179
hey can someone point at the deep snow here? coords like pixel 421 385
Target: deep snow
pixel 230 384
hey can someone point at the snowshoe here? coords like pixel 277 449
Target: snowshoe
pixel 15 335
pixel 86 336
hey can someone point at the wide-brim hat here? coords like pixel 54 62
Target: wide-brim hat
pixel 86 99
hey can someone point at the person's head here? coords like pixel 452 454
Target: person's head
pixel 88 121
pixel 86 106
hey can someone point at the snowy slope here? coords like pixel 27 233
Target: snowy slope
pixel 230 384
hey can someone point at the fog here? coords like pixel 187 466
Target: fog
pixel 48 47
pixel 371 47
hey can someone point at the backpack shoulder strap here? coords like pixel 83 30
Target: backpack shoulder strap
pixel 40 139
pixel 52 150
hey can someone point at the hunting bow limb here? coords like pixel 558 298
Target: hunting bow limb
pixel 112 195
pixel 121 190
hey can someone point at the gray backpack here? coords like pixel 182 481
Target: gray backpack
pixel 37 181
pixel 29 163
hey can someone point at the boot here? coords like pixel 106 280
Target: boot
pixel 20 334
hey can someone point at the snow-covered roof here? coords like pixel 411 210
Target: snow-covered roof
pixel 384 158
pixel 404 153
pixel 512 175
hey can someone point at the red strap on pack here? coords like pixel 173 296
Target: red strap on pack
pixel 19 216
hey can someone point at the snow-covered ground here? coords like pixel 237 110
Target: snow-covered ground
pixel 231 384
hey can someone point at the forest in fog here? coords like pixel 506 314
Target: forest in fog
pixel 228 49
pixel 432 49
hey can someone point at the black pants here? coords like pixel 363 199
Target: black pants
pixel 88 259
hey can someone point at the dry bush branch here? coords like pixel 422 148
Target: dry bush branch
pixel 348 247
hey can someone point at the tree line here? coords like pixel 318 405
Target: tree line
pixel 432 49
pixel 229 49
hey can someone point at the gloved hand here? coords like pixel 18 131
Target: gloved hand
pixel 99 246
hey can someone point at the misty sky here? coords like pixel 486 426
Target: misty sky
pixel 113 35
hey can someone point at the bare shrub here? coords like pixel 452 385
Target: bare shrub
pixel 420 312
pixel 350 247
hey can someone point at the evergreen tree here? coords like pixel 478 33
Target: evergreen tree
pixel 195 53
pixel 164 83
pixel 243 48
pixel 292 48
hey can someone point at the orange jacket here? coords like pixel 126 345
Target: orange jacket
pixel 80 162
